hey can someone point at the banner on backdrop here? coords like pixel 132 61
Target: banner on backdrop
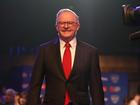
pixel 115 86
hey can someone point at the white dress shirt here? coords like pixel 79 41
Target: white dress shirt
pixel 73 44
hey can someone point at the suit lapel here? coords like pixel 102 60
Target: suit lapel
pixel 58 58
pixel 76 60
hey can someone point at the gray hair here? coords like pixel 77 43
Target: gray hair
pixel 10 91
pixel 66 10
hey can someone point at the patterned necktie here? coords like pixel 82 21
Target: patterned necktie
pixel 67 68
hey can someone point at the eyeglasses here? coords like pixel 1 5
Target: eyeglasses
pixel 69 23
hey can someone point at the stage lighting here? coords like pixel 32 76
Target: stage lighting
pixel 131 15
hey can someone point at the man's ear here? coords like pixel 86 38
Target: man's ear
pixel 78 27
pixel 56 27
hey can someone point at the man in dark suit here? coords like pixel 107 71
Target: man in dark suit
pixel 70 67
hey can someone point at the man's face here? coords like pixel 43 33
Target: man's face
pixel 67 25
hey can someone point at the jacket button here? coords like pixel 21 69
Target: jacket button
pixel 67 83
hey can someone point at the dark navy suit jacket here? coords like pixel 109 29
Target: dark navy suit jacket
pixel 84 81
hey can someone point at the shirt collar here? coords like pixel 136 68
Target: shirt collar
pixel 73 42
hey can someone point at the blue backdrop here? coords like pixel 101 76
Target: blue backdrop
pixel 115 87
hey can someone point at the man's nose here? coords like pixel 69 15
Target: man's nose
pixel 66 25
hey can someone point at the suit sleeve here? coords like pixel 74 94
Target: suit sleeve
pixel 36 80
pixel 96 90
